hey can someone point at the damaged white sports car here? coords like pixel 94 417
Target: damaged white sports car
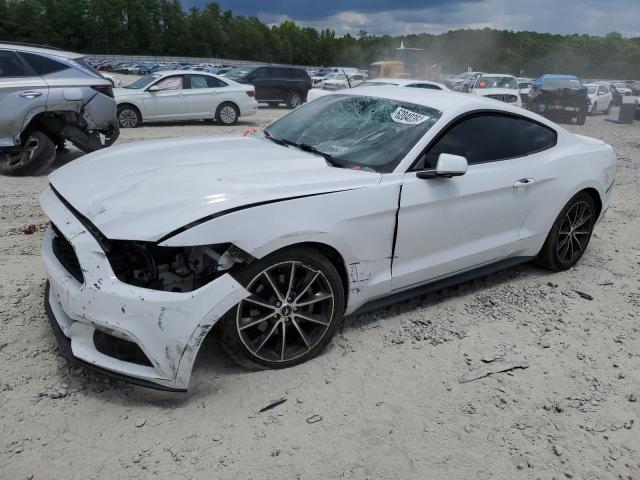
pixel 351 201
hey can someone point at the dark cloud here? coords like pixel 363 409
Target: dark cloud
pixel 399 17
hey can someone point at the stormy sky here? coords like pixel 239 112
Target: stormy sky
pixel 397 17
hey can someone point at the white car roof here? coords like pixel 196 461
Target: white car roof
pixel 401 82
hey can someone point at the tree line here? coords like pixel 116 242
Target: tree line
pixel 164 27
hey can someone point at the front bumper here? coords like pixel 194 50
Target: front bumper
pixel 168 327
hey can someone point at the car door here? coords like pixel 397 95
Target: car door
pixel 168 102
pixel 450 225
pixel 604 98
pixel 23 94
pixel 259 78
pixel 201 96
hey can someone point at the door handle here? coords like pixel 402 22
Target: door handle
pixel 523 182
pixel 30 94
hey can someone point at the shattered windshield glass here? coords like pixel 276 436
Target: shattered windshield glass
pixel 355 131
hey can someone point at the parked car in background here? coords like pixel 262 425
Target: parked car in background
pixel 561 96
pixel 318 77
pixel 498 87
pixel 524 86
pixel 600 98
pixel 115 81
pixel 623 89
pixel 275 84
pixel 338 81
pixel 616 95
pixel 464 82
pixel 153 245
pixel 184 95
pixel 381 82
pixel 637 109
pixel 47 97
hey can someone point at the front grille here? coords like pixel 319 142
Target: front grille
pixel 504 98
pixel 65 254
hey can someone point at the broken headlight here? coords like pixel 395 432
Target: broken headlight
pixel 172 269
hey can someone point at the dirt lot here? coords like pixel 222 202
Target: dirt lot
pixel 385 395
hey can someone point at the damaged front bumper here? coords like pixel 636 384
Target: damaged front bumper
pixel 144 336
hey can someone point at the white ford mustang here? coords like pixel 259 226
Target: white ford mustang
pixel 351 201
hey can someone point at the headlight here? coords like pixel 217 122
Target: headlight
pixel 172 269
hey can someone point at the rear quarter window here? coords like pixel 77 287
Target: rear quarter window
pixel 43 65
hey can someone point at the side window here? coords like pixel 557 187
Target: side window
pixel 213 82
pixel 260 74
pixel 490 137
pixel 171 83
pixel 198 81
pixel 10 65
pixel 43 65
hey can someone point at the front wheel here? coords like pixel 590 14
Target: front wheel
pixel 129 116
pixel 570 234
pixel 35 155
pixel 296 303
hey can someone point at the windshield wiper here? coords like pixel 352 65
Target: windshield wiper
pixel 306 148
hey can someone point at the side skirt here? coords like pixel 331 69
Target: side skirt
pixel 401 295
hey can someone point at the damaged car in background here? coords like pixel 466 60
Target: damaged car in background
pixel 499 87
pixel 561 97
pixel 355 200
pixel 47 97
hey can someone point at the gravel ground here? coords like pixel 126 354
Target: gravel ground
pixel 384 401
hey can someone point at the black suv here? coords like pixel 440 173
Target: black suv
pixel 275 85
pixel 559 96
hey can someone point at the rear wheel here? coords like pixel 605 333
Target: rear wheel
pixel 37 153
pixel 227 114
pixel 295 306
pixel 129 116
pixel 570 234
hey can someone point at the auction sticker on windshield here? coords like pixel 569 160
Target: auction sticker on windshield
pixel 402 115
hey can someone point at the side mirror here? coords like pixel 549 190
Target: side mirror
pixel 154 88
pixel 448 166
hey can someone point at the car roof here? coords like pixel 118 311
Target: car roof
pixel 22 47
pixel 164 73
pixel 497 75
pixel 401 81
pixel 555 75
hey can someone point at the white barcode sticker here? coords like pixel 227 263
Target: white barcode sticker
pixel 402 115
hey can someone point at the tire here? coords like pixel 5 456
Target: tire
pixel 294 100
pixel 129 116
pixel 227 114
pixel 562 251
pixel 37 153
pixel 252 333
pixel 581 118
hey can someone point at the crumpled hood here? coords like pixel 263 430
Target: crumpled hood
pixel 145 190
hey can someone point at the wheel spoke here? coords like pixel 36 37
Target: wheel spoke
pixel 293 273
pixel 284 340
pixel 582 221
pixel 273 286
pixel 306 318
pixel 304 290
pixel 562 243
pixel 269 335
pixel 321 297
pixel 300 332
pixel 260 303
pixel 258 321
